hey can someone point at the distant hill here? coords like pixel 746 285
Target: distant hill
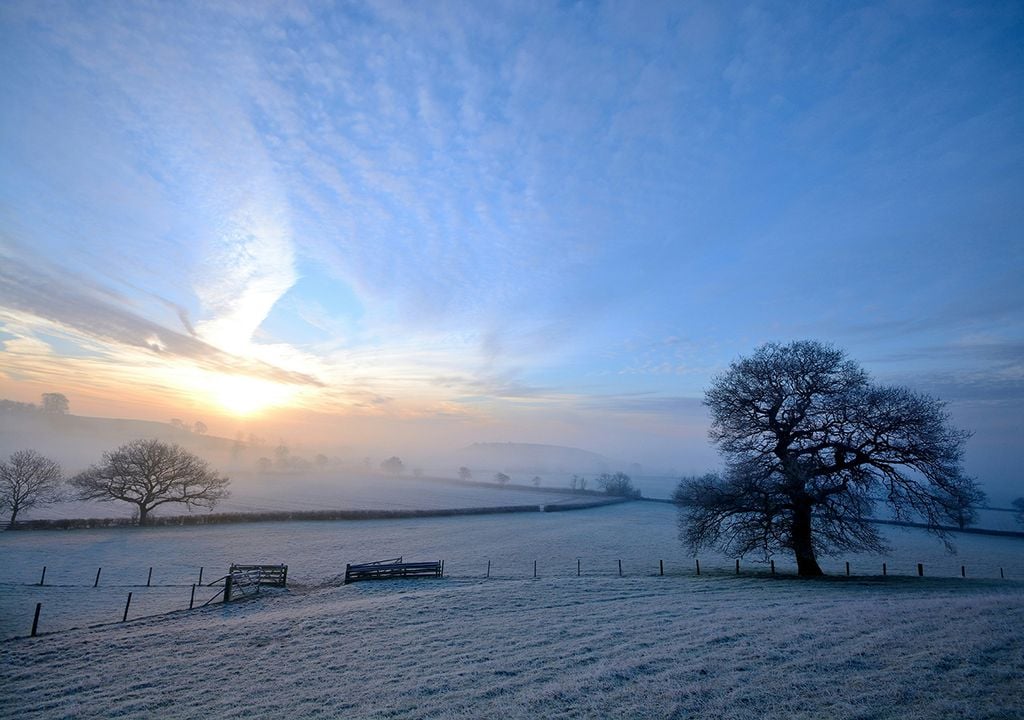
pixel 532 458
pixel 77 441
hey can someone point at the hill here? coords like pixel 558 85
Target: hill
pixel 77 441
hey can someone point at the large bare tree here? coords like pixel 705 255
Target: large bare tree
pixel 27 479
pixel 150 473
pixel 809 443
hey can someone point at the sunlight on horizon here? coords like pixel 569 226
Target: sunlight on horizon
pixel 240 395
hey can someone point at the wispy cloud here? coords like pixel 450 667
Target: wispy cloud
pixel 73 303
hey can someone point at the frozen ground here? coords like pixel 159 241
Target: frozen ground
pixel 591 647
pixel 327 490
pixel 640 534
pixel 466 646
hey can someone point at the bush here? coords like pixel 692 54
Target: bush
pixel 618 484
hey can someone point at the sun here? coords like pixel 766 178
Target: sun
pixel 242 396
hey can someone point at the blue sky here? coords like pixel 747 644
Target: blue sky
pixel 549 222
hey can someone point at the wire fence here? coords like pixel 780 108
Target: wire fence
pixel 55 606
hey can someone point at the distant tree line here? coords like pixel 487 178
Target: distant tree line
pixel 52 404
pixel 617 484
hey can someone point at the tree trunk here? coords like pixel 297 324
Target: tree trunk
pixel 14 514
pixel 143 513
pixel 806 562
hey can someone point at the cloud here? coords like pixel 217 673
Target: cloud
pixel 74 303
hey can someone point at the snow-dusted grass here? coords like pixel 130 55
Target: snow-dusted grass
pixel 640 534
pixel 326 490
pixel 597 647
pixel 469 647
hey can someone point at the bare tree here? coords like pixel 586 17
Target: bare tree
pixel 963 508
pixel 55 403
pixel 199 427
pixel 1018 506
pixel 809 442
pixel 282 455
pixel 27 479
pixel 393 465
pixel 465 473
pixel 501 478
pixel 150 473
pixel 617 484
pixel 536 481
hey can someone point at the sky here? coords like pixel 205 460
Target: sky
pixel 421 225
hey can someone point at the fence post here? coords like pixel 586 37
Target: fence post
pixel 1001 576
pixel 97 582
pixel 149 579
pixel 488 568
pixel 577 567
pixel 200 583
pixel 35 618
pixel 847 568
pixel 43 578
pixel 698 565
pixel 442 568
pixel 227 589
pixel 773 567
pixel 620 568
pixel 126 606
pixel 737 566
pixel 192 598
pixel 963 571
pixel 885 570
pixel 661 567
pixel 535 568
pixel 920 569
pixel 284 578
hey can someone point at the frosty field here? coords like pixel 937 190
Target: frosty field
pixel 327 490
pixel 468 646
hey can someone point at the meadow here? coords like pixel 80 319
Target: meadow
pixel 468 645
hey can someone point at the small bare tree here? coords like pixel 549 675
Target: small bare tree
pixel 27 479
pixel 1018 507
pixel 618 484
pixel 393 465
pixel 465 473
pixel 501 478
pixel 963 507
pixel 55 403
pixel 150 473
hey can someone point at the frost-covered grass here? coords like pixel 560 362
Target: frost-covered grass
pixel 640 534
pixel 596 647
pixel 469 647
pixel 326 490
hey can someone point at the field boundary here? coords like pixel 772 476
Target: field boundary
pixel 301 515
